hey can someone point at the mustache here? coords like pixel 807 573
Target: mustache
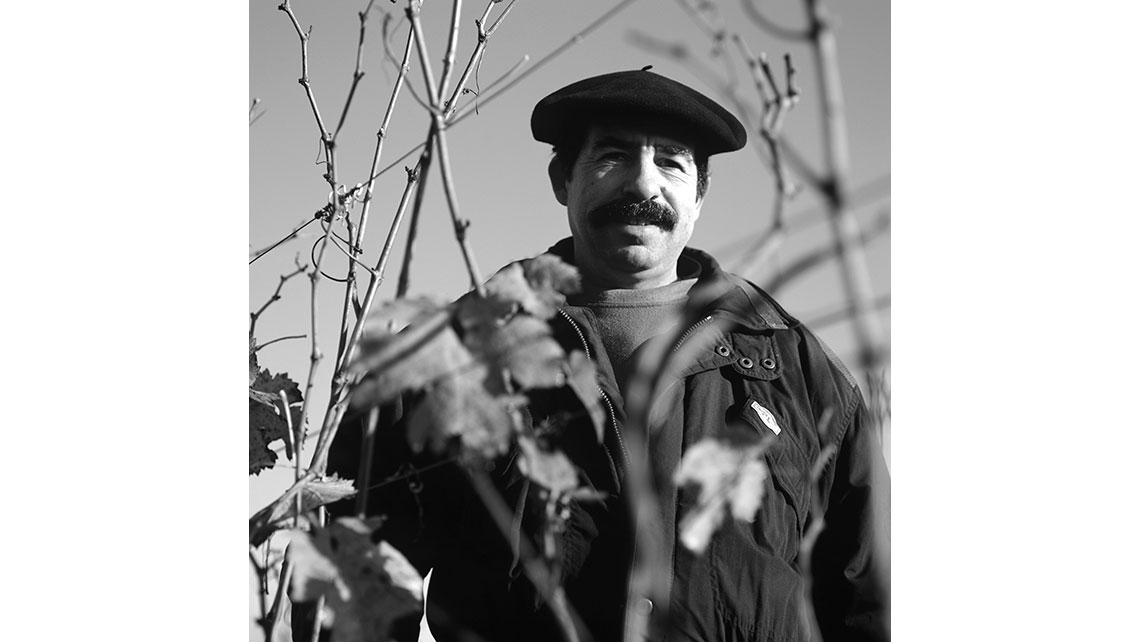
pixel 630 210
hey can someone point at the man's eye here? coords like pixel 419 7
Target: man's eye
pixel 670 163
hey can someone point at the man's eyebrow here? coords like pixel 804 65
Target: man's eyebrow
pixel 614 141
pixel 626 144
pixel 676 150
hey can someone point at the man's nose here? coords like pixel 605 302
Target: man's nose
pixel 644 180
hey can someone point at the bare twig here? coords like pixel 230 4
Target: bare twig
pixel 315 354
pixel 377 276
pixel 449 57
pixel 365 472
pixel 350 255
pixel 700 18
pixel 269 343
pixel 819 256
pixel 422 168
pixel 263 580
pixel 809 217
pixel 824 319
pixel 304 80
pixel 459 224
pixel 335 210
pixel 318 616
pixel 357 74
pixel 656 364
pixel 339 401
pixel 484 35
pixel 775 105
pixel 413 13
pixel 448 106
pixel 535 569
pixel 727 90
pixel 269 624
pixel 462 113
pixel 354 250
pixel 403 66
pixel 290 235
pixel 254 316
pixel 855 276
pixel 575 39
pixel 467 110
pixel 771 27
pixel 706 16
pixel 296 436
pixel 473 107
pixel 252 117
pixel 382 132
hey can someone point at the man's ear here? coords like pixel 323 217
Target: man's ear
pixel 701 197
pixel 558 177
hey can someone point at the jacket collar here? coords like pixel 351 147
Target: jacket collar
pixel 726 294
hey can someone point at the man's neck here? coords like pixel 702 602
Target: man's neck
pixel 627 281
pixel 599 281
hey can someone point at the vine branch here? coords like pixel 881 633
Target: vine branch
pixel 786 33
pixel 575 39
pixel 484 34
pixel 855 276
pixel 357 74
pixel 304 80
pixel 449 57
pixel 254 316
pixel 820 255
pixel 269 343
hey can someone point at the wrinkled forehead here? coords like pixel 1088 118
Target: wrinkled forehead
pixel 630 135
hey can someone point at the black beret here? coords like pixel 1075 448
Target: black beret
pixel 638 97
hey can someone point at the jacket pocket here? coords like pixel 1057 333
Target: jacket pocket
pixel 783 514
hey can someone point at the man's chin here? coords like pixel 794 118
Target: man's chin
pixel 619 235
pixel 632 258
pixel 633 225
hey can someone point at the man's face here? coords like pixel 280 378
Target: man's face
pixel 631 198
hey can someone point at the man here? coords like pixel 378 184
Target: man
pixel 631 168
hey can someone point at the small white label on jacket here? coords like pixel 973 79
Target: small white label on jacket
pixel 767 417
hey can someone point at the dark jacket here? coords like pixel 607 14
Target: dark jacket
pixel 746 353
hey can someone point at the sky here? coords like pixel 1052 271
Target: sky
pixel 500 170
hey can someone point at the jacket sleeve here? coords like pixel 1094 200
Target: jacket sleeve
pixel 850 562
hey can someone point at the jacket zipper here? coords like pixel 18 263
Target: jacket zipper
pixel 677 346
pixel 609 404
pixel 690 331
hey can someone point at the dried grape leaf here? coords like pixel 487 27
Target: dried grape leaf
pixel 474 311
pixel 253 369
pixel 509 287
pixel 551 279
pixel 524 347
pixel 552 470
pixel 538 285
pixel 314 493
pixel 266 419
pixel 412 360
pixel 366 586
pixel 728 478
pixel 461 406
pixel 390 317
